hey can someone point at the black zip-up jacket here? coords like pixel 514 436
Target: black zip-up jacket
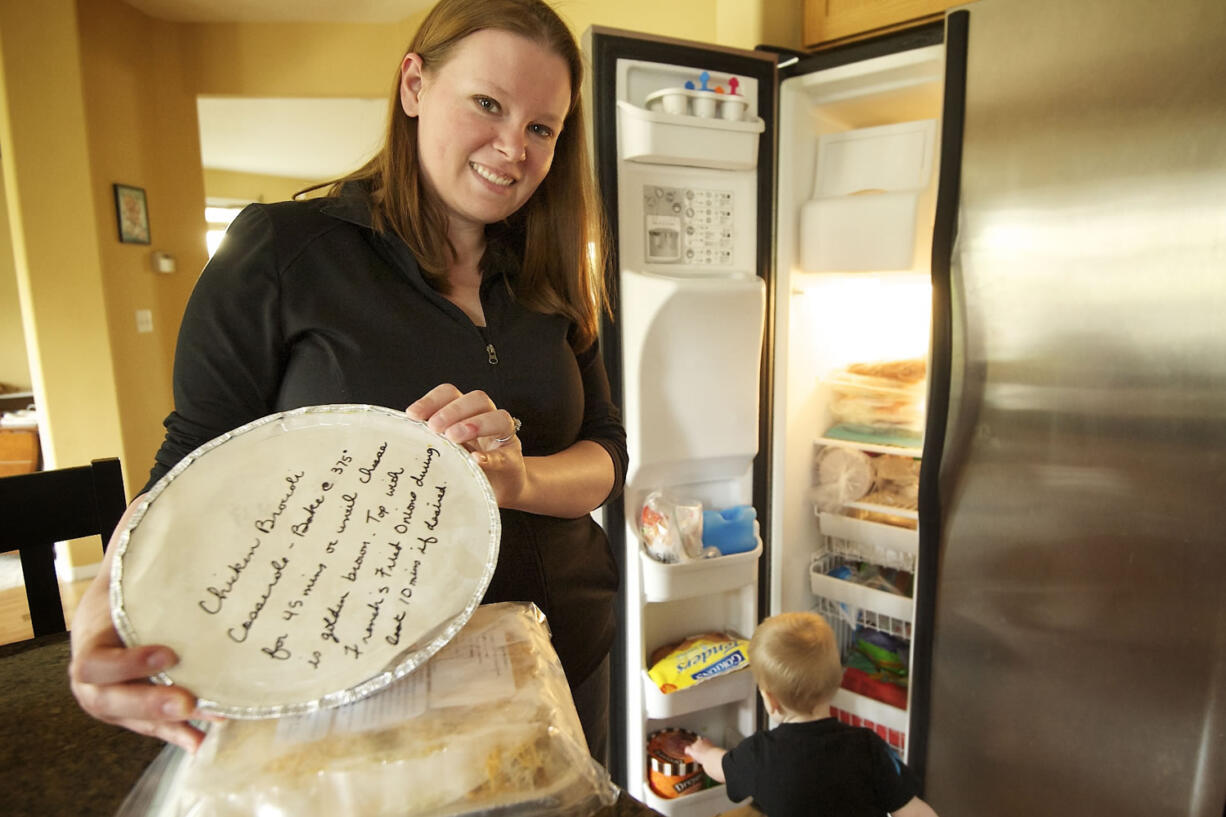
pixel 304 304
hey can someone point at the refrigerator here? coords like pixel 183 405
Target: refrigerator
pixel 945 309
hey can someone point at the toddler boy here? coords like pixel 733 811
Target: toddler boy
pixel 810 764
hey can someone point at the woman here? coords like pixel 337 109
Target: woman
pixel 454 273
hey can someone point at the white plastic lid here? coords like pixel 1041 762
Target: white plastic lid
pixel 307 559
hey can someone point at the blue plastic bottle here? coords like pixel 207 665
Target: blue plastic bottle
pixel 730 530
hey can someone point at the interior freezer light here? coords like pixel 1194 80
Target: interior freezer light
pixel 861 317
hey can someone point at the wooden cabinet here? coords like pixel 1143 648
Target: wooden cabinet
pixel 18 451
pixel 828 22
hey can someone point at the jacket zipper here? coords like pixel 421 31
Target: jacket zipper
pixel 491 354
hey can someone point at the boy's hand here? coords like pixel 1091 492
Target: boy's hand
pixel 709 756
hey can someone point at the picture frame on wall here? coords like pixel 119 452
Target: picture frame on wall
pixel 132 214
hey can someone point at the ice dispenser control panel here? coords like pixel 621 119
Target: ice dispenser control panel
pixel 688 225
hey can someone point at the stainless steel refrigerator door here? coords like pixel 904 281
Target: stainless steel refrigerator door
pixel 1079 660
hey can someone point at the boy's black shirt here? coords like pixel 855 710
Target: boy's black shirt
pixel 818 768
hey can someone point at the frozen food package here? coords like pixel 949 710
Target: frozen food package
pixel 843 475
pixel 883 397
pixel 696 659
pixel 671 772
pixel 486 726
pixel 882 517
pixel 671 528
pixel 730 530
pixel 897 468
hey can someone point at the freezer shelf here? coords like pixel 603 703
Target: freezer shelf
pixel 872 447
pixel 858 595
pixel 700 577
pixel 889 722
pixel 722 689
pixel 905 540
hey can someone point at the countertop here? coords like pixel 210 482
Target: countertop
pixel 55 759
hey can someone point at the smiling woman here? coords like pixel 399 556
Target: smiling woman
pixel 458 273
pixel 491 95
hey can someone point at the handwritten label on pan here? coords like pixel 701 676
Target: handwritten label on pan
pixel 310 572
pixel 277 589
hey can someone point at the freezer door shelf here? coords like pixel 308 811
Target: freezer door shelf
pixel 663 138
pixel 700 577
pixel 700 804
pixel 722 689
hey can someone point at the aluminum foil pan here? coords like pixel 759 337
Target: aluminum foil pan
pixel 307 559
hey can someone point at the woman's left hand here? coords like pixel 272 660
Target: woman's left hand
pixel 472 420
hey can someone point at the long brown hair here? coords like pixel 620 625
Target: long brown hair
pixel 556 241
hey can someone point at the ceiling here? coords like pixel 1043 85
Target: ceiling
pixel 311 139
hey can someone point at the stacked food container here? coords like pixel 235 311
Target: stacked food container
pixel 866 500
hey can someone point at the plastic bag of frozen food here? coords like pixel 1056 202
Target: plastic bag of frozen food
pixel 486 726
pixel 671 528
pixel 697 659
pixel 843 475
pixel 879 397
pixel 897 481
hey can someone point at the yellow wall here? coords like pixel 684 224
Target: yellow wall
pixel 296 59
pixel 14 367
pixel 141 109
pixel 346 60
pixel 93 92
pixel 231 184
pixel 742 24
pixel 55 241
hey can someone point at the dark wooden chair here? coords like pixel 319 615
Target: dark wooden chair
pixel 46 507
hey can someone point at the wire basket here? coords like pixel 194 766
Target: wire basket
pixel 864 552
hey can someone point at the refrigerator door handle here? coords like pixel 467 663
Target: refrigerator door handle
pixel 936 457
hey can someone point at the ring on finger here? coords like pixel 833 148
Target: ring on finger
pixel 515 430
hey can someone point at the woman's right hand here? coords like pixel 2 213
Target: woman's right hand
pixel 111 681
pixel 471 420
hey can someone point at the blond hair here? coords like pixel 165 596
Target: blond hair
pixel 795 657
pixel 555 243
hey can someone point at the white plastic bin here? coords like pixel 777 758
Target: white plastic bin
pixel 700 577
pixel 658 137
pixel 858 596
pixel 722 689
pixel 869 533
pixel 705 803
pixel 859 233
pixel 866 198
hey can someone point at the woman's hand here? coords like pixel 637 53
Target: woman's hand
pixel 473 421
pixel 111 681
